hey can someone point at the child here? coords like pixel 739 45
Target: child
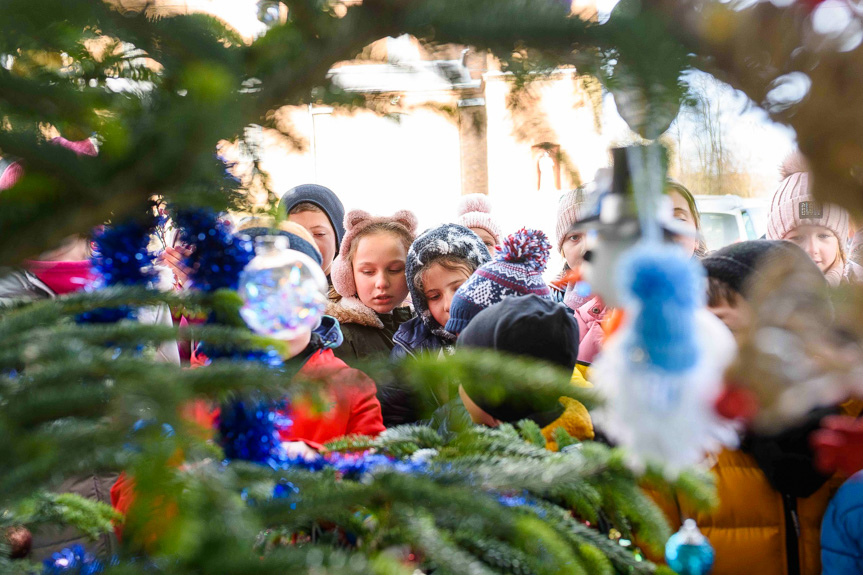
pixel 820 229
pixel 320 211
pixel 686 212
pixel 729 272
pixel 514 270
pixel 771 496
pixel 353 408
pixel 299 238
pixel 537 328
pixel 369 274
pixel 571 243
pixel 591 313
pixel 474 213
pixel 439 262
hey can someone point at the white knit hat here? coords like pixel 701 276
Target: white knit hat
pixel 568 213
pixel 474 211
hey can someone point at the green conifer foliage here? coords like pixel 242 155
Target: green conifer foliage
pixel 160 94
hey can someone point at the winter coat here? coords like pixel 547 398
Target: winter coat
pixel 367 334
pixel 842 530
pixel 590 334
pixel 49 539
pixel 350 395
pixel 21 286
pixel 353 408
pixel 771 503
pixel 414 338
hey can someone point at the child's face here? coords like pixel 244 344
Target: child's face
pixel 486 238
pixel 321 229
pixel 440 284
pixel 735 314
pixel 574 246
pixel 379 271
pixel 818 242
pixel 683 214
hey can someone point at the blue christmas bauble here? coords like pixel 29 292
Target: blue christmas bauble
pixel 688 552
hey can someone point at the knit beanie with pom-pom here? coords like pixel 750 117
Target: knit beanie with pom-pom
pixel 515 270
pixel 794 205
pixel 474 211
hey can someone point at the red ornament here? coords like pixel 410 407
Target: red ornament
pixel 20 540
pixel 838 445
pixel 737 402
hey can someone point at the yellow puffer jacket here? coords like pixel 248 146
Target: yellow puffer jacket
pixel 756 529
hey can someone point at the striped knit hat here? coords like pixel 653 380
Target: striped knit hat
pixel 515 270
pixel 794 205
pixel 474 211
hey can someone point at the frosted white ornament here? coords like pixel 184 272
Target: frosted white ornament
pixel 283 290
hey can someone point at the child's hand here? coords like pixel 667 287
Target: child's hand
pixel 174 259
pixel 297 449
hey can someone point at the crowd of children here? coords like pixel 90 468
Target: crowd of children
pixel 395 293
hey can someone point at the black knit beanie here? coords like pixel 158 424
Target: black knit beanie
pixel 738 264
pixel 529 326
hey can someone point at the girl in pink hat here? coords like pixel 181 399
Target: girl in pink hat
pixel 369 275
pixel 795 215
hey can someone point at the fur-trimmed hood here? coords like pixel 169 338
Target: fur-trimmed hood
pixel 352 310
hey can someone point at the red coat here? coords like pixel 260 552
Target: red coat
pixel 354 410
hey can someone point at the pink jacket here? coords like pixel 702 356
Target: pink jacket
pixel 589 317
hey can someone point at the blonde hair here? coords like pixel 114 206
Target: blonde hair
pixel 284 226
pixel 393 228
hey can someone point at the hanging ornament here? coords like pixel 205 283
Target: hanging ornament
pixel 689 552
pixel 661 371
pixel 283 290
pixel 20 541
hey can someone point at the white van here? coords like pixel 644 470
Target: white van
pixel 729 219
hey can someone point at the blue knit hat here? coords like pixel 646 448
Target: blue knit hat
pixel 516 269
pixel 322 197
pixel 447 240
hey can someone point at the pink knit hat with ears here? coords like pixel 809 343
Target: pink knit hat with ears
pixel 341 272
pixel 794 205
pixel 474 211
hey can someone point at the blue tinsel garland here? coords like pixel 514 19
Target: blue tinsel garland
pixel 121 258
pixel 219 257
pixel 72 561
pixel 268 356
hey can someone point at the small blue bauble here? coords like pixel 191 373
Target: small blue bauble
pixel 688 552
